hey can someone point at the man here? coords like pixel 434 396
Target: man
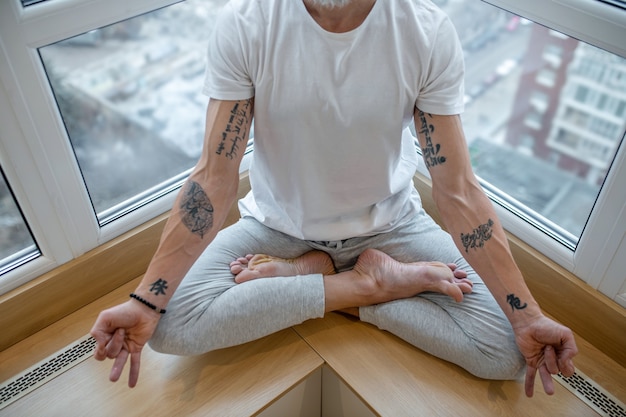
pixel 333 221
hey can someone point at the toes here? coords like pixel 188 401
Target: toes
pixel 454 291
pixel 235 268
pixel 244 260
pixel 458 273
pixel 465 287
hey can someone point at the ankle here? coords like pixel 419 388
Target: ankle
pixel 368 288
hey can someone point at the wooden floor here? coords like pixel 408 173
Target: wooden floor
pixel 391 377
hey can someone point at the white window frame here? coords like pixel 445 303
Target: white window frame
pixel 40 166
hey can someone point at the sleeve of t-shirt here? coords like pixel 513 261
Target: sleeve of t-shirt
pixel 443 89
pixel 226 75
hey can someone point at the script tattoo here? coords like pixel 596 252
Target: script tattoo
pixel 196 209
pixel 158 287
pixel 236 130
pixel 430 151
pixel 478 237
pixel 515 302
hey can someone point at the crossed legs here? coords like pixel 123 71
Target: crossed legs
pixel 376 277
pixel 214 308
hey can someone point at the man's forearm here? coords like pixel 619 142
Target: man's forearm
pixel 481 239
pixel 192 225
pixel 203 203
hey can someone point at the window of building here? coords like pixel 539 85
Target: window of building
pixel 539 101
pixel 553 54
pixel 620 110
pixel 533 120
pixel 546 77
pixel 582 92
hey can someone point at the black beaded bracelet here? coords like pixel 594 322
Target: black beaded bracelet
pixel 147 303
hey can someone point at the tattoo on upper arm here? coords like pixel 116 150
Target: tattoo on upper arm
pixel 478 237
pixel 515 302
pixel 196 209
pixel 236 130
pixel 158 287
pixel 430 152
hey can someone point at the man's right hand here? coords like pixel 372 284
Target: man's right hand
pixel 121 331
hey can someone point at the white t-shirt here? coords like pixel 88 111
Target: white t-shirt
pixel 333 157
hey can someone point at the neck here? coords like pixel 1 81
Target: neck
pixel 341 18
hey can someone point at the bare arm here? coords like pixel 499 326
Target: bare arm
pixel 470 218
pixel 200 210
pixel 203 202
pixel 469 215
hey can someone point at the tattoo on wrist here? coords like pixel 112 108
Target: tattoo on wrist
pixel 430 152
pixel 158 287
pixel 477 238
pixel 236 130
pixel 515 302
pixel 197 210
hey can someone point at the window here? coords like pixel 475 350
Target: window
pixel 539 100
pixel 92 93
pixel 546 77
pixel 16 243
pixel 571 145
pixel 543 134
pixel 86 160
pixel 131 103
pixel 582 92
pixel 553 54
pixel 621 107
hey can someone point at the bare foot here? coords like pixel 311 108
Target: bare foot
pixel 265 266
pixel 387 279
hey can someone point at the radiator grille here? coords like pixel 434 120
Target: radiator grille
pixel 11 390
pixel 592 394
pixel 49 368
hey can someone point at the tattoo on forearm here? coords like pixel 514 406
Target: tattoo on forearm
pixel 477 238
pixel 196 209
pixel 236 130
pixel 158 287
pixel 515 302
pixel 430 151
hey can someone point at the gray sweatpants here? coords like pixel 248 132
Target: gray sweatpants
pixel 210 311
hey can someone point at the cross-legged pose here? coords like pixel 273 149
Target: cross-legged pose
pixel 333 221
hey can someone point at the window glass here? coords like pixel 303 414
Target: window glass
pixel 130 97
pixel 16 243
pixel 544 113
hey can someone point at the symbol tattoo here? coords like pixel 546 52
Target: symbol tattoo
pixel 478 237
pixel 430 151
pixel 158 287
pixel 515 302
pixel 197 210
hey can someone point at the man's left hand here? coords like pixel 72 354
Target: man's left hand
pixel 549 348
